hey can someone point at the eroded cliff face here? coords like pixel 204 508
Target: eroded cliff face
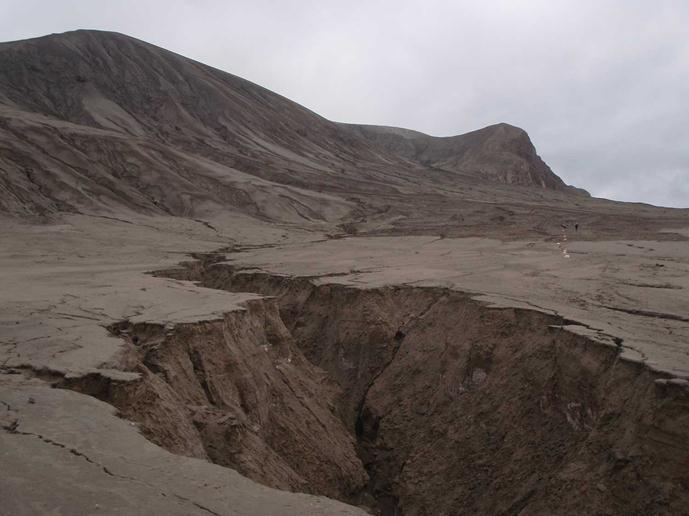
pixel 239 393
pixel 407 401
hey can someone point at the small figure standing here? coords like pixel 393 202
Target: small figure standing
pixel 576 226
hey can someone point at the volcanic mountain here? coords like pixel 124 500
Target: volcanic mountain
pixel 98 121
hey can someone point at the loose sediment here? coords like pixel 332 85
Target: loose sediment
pixel 406 400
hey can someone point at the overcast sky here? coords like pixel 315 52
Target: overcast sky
pixel 601 86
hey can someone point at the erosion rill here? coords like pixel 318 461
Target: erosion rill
pixel 406 400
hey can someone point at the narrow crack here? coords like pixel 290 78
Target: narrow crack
pixel 646 313
pixel 207 224
pixel 12 428
pixel 206 509
pixel 119 220
pixel 397 344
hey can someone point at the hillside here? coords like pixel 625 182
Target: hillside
pixel 501 152
pixel 98 121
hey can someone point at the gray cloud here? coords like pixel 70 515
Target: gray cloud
pixel 599 85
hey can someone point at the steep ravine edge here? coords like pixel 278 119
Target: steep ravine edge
pixel 435 383
pixel 406 400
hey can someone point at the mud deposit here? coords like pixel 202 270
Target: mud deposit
pixel 406 401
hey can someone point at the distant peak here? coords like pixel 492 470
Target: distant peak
pixel 505 128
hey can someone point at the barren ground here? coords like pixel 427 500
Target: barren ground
pixel 65 284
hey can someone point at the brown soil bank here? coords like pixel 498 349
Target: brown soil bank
pixel 409 401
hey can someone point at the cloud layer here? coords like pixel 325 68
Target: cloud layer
pixel 601 86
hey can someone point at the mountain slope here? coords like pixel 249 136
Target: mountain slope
pixel 146 129
pixel 94 121
pixel 500 152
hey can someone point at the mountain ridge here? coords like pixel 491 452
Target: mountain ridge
pixel 459 153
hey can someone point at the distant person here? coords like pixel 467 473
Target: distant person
pixel 576 226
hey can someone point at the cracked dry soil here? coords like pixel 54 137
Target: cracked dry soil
pixel 405 401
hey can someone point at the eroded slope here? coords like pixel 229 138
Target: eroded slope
pixel 461 408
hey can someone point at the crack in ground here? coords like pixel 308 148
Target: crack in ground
pixel 646 313
pixel 207 224
pixel 12 428
pixel 185 499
